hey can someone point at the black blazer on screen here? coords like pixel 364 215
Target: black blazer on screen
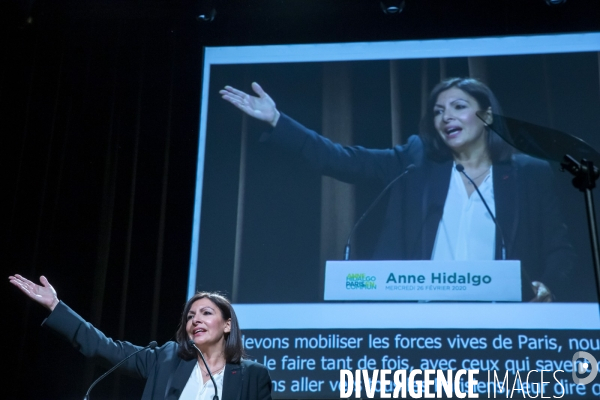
pixel 527 206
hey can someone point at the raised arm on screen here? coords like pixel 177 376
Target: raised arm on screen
pixel 262 107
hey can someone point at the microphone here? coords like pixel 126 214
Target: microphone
pixel 460 168
pixel 151 345
pixel 384 191
pixel 191 343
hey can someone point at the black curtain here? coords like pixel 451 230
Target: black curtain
pixel 99 125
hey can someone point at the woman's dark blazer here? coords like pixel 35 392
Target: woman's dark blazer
pixel 165 372
pixel 527 208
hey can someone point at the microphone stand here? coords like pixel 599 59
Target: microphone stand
pixel 460 168
pixel 373 204
pixel 216 396
pixel 585 176
pixel 152 345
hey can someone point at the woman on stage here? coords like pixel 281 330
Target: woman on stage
pixel 433 212
pixel 174 370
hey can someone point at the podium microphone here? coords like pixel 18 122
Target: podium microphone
pixel 191 343
pixel 151 345
pixel 461 169
pixel 384 191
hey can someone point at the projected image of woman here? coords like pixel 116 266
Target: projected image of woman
pixel 175 369
pixel 434 212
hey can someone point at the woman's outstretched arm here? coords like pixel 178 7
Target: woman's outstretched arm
pixel 44 295
pixel 351 164
pixel 262 107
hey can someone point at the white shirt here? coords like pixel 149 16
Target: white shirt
pixel 195 389
pixel 466 230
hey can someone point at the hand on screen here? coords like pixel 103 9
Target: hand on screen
pixel 541 291
pixel 261 107
pixel 44 295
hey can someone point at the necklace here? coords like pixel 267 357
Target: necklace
pixel 480 175
pixel 213 372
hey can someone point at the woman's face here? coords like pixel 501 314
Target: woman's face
pixel 456 122
pixel 205 324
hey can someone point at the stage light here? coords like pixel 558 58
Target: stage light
pixel 555 2
pixel 206 10
pixel 392 6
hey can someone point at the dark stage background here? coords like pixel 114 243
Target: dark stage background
pixel 99 103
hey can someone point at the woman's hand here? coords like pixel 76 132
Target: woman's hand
pixel 261 107
pixel 541 291
pixel 44 295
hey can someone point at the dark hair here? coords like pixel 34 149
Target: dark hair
pixel 435 147
pixel 234 350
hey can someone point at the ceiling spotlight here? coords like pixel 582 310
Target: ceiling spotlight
pixel 555 2
pixel 207 16
pixel 206 10
pixel 392 6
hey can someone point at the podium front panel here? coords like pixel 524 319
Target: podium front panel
pixel 417 280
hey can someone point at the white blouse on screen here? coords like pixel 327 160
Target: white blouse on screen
pixel 466 230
